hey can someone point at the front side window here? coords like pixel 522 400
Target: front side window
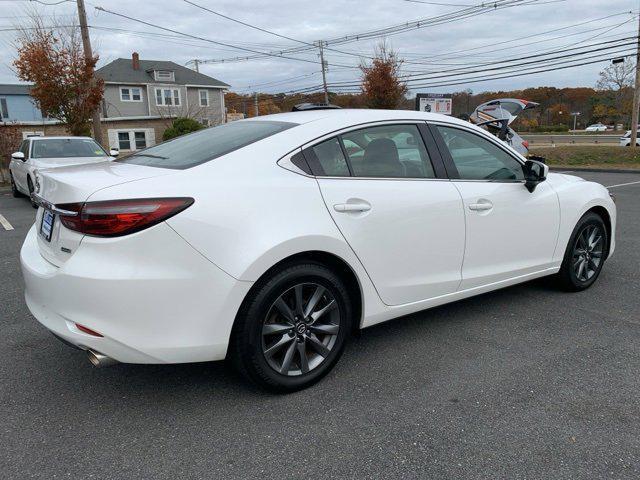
pixel 477 158
pixel 204 145
pixel 66 148
pixel 393 151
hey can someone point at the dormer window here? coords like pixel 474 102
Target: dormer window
pixel 164 75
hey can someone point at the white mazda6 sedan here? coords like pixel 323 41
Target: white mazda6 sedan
pixel 268 241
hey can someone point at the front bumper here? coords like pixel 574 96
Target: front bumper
pixel 150 294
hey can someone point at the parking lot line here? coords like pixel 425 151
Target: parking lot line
pixel 622 184
pixel 5 223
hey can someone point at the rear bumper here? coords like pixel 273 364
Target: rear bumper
pixel 151 295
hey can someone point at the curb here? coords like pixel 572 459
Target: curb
pixel 595 170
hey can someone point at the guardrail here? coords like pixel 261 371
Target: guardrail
pixel 569 139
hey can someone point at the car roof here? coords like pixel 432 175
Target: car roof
pixel 68 137
pixel 352 116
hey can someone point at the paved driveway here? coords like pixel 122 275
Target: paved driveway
pixel 527 382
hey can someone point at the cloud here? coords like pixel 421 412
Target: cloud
pixel 453 45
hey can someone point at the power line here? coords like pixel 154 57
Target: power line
pixel 247 24
pixel 395 29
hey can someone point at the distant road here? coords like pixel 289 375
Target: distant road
pixel 572 139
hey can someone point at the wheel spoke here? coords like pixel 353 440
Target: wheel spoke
pixel 284 310
pixel 273 328
pixel 329 306
pixel 592 237
pixel 595 242
pixel 313 301
pixel 298 308
pixel 304 361
pixel 317 345
pixel 580 270
pixel 269 352
pixel 328 329
pixel 288 357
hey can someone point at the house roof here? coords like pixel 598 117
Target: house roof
pixel 14 88
pixel 121 71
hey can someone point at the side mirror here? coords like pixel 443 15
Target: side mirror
pixel 17 156
pixel 534 173
pixel 114 152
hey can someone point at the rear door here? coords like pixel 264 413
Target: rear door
pixel 510 231
pixel 394 206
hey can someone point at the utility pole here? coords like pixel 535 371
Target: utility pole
pixel 88 54
pixel 324 72
pixel 196 62
pixel 256 110
pixel 636 95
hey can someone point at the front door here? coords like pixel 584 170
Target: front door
pixel 510 231
pixel 405 225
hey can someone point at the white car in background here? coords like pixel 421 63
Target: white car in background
pixel 596 127
pixel 269 240
pixel 37 153
pixel 625 141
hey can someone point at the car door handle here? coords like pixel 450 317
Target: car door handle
pixel 352 207
pixel 480 207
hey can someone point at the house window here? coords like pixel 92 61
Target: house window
pixel 164 75
pixel 123 141
pixel 132 140
pixel 167 97
pixel 141 140
pixel 130 94
pixel 204 98
pixel 4 111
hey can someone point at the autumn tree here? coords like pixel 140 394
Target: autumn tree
pixel 381 84
pixel 64 84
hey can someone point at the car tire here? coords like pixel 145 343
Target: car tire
pixel 292 328
pixel 30 186
pixel 585 254
pixel 14 188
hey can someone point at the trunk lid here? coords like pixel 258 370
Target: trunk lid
pixel 74 184
pixel 501 109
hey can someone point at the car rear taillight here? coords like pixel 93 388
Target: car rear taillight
pixel 525 144
pixel 114 218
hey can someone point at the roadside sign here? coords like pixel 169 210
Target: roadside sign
pixel 434 103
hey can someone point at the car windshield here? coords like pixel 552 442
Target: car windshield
pixel 205 145
pixel 66 148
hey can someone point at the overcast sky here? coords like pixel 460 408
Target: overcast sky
pixel 453 45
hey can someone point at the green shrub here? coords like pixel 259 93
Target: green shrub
pixel 181 126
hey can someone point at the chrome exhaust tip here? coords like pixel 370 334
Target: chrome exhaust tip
pixel 99 360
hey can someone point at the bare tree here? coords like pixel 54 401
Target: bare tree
pixel 616 76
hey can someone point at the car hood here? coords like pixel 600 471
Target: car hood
pixel 65 161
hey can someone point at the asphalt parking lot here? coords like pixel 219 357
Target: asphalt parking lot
pixel 526 382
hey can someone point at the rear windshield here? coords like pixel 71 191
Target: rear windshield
pixel 66 147
pixel 200 147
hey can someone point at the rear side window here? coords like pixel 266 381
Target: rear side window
pixel 390 151
pixel 205 145
pixel 328 159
